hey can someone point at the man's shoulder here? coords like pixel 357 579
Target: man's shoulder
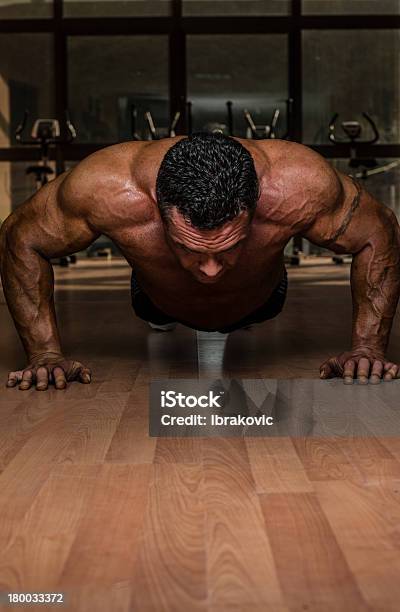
pixel 103 169
pixel 298 164
pixel 108 184
pixel 297 180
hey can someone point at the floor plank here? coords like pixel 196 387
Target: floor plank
pixel 366 523
pixel 170 572
pixel 33 560
pixel 276 467
pixel 312 570
pixel 131 442
pixel 241 567
pixel 103 554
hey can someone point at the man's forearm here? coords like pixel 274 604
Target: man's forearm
pixel 375 282
pixel 28 284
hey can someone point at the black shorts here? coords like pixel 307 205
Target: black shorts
pixel 146 310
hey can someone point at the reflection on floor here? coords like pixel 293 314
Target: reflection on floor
pixel 93 507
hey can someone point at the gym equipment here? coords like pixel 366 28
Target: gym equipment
pixel 353 130
pixel 157 133
pixel 261 132
pixel 268 131
pixel 45 133
pixel 227 127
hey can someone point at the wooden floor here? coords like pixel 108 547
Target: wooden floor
pixel 93 507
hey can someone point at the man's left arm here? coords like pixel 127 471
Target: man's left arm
pixel 365 228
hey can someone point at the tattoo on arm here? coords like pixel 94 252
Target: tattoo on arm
pixel 345 223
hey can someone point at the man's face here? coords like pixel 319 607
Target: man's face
pixel 207 254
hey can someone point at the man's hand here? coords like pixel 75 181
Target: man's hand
pixel 363 365
pixel 49 369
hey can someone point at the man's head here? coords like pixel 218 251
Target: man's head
pixel 207 190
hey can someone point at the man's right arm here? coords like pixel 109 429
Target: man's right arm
pixel 47 225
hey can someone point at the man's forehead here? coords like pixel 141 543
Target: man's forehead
pixel 181 229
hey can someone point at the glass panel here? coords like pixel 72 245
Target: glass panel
pixel 116 8
pixel 26 81
pixel 109 74
pixel 336 79
pixel 249 70
pixel 25 9
pixel 235 7
pixel 351 7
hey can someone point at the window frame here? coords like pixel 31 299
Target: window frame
pixel 177 27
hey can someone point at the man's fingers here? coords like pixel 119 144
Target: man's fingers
pixel 46 374
pixel 363 369
pixel 85 375
pixel 27 379
pixel 42 379
pixel 391 371
pixel 348 374
pixel 60 381
pixel 14 378
pixel 376 373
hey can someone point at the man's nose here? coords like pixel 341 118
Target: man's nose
pixel 210 267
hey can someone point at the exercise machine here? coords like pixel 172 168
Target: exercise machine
pixel 353 130
pixel 262 132
pixel 44 134
pixel 157 133
pixel 268 131
pixel 257 132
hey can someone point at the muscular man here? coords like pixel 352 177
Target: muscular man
pixel 204 222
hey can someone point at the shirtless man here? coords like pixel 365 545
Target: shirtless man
pixel 204 222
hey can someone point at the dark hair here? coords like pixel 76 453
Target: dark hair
pixel 209 178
